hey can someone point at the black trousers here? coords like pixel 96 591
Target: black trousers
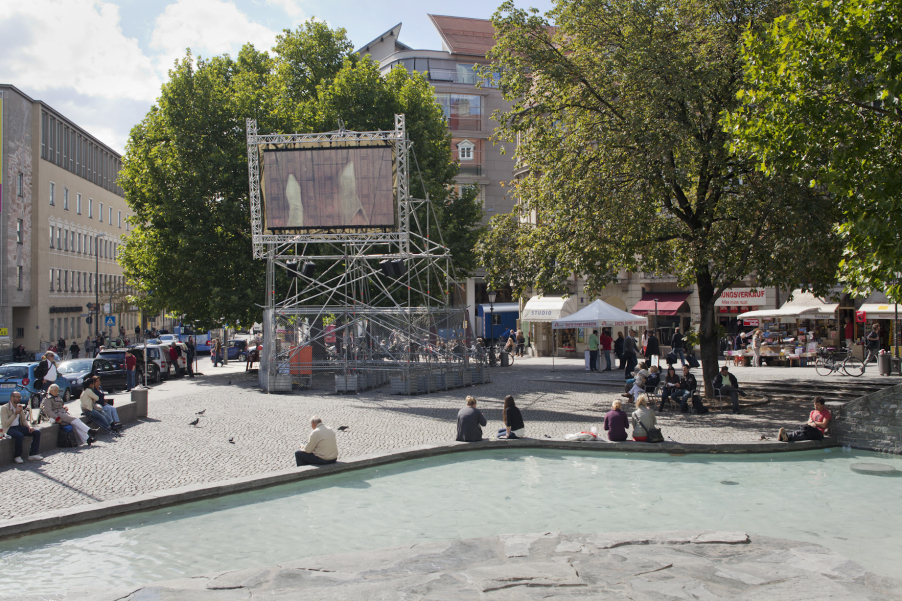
pixel 629 364
pixel 806 432
pixel 734 395
pixel 305 458
pixel 593 360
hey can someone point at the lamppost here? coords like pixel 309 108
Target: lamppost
pixel 492 296
pixel 97 283
pixel 655 331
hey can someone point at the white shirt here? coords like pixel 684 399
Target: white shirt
pixel 51 375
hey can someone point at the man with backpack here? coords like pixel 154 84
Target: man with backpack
pixel 45 371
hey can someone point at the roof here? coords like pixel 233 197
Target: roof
pixel 599 314
pixel 463 35
pixel 394 32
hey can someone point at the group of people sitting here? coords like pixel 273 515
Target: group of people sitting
pixel 679 389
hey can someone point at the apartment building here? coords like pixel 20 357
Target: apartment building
pixel 63 220
pixel 468 110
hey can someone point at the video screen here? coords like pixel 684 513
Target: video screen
pixel 329 188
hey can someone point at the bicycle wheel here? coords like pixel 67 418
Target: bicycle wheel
pixel 510 358
pixel 852 366
pixel 824 367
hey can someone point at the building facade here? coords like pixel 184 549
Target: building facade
pixel 63 220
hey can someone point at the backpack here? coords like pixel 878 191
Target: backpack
pixel 40 370
pixel 692 361
pixel 66 437
pixel 697 405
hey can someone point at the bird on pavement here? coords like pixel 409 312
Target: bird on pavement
pixel 201 412
pixel 194 423
pixel 232 440
pixel 342 428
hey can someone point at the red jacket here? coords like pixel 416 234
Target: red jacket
pixel 606 342
pixel 173 356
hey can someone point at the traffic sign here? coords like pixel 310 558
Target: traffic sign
pixel 89 319
pixel 90 306
pixel 109 321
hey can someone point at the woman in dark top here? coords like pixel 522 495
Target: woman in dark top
pixel 513 420
pixel 670 382
pixel 616 422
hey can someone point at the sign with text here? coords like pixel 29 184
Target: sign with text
pixel 861 316
pixel 751 322
pixel 749 297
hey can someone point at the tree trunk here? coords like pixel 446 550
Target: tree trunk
pixel 707 331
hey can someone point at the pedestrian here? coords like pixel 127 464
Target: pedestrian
pixel 192 349
pixel 630 353
pixel 618 349
pixel 321 448
pixel 469 420
pixel 606 342
pixel 676 346
pixel 872 344
pixel 217 352
pixel 616 422
pixel 644 343
pixel 46 371
pixel 74 350
pixel 88 347
pixel 756 347
pixel 593 351
pixel 512 420
pixel 15 423
pixel 653 349
pixel 174 358
pixel 61 346
pixel 137 333
pixel 818 420
pixel 131 362
pixel 521 342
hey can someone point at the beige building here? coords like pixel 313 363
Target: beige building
pixel 64 219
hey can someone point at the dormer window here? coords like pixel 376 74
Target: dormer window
pixel 465 150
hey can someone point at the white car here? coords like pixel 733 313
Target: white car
pixel 158 354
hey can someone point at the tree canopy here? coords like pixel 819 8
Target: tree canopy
pixel 617 109
pixel 821 99
pixel 185 170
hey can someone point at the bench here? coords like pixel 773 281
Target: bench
pixel 129 412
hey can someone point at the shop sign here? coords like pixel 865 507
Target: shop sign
pixel 861 316
pixel 742 296
pixel 751 321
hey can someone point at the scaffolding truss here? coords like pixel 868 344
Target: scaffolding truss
pixel 374 307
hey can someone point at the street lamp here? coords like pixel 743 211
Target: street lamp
pixel 492 296
pixel 97 282
pixel 655 330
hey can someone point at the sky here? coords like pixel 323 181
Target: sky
pixel 101 62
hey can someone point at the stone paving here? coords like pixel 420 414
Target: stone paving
pixel 163 451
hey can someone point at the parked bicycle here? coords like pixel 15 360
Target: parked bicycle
pixel 830 361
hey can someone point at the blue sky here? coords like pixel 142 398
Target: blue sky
pixel 101 62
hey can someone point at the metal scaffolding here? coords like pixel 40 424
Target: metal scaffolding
pixel 367 308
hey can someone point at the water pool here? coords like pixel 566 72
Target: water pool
pixel 812 496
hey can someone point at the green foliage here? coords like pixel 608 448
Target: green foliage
pixel 185 170
pixel 821 99
pixel 617 110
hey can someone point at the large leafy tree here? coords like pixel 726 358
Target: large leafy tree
pixel 185 170
pixel 617 108
pixel 821 98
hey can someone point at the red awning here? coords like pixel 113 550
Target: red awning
pixel 668 304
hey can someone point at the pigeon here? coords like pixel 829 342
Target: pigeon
pixel 546 436
pixel 232 440
pixel 194 423
pixel 201 412
pixel 342 428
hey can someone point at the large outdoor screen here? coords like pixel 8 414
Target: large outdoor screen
pixel 329 188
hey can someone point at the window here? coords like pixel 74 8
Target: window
pixel 72 246
pixel 51 283
pixel 465 150
pixel 52 233
pixel 52 191
pixel 463 111
pixel 90 208
pixel 65 245
pixel 59 277
pixel 100 211
pixel 20 184
pixel 65 199
pixel 111 216
pixel 20 231
pixel 18 277
pixel 20 332
pixel 66 281
pixel 78 203
pixel 119 219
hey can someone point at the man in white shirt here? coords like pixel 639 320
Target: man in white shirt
pixel 321 449
pixel 14 421
pixel 50 373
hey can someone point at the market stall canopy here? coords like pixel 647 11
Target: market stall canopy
pixel 597 315
pixel 548 308
pixel 881 309
pixel 802 303
pixel 668 304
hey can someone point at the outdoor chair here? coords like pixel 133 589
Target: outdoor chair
pixel 718 396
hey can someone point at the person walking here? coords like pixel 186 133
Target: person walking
pixel 756 348
pixel 217 352
pixel 74 350
pixel 676 346
pixel 872 344
pixel 606 342
pixel 653 349
pixel 593 351
pixel 630 354
pixel 618 349
pixel 521 342
pixel 192 349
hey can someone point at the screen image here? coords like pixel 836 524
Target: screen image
pixel 329 188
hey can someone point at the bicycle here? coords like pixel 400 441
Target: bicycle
pixel 828 363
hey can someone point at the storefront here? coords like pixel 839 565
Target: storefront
pixel 885 315
pixel 665 312
pixel 536 318
pixel 735 301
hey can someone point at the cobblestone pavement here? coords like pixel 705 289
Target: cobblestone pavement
pixel 163 451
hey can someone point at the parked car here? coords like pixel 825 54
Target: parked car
pixel 158 354
pixel 167 338
pixel 116 356
pixel 112 375
pixel 22 374
pixel 237 350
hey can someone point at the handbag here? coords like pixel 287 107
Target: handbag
pixel 654 434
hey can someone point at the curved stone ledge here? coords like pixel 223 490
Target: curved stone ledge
pixel 72 516
pixel 632 565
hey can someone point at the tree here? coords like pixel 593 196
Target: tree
pixel 617 108
pixel 821 98
pixel 185 170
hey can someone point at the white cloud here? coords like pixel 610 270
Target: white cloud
pixel 290 7
pixel 208 27
pixel 74 43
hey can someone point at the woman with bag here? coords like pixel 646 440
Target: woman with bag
pixel 643 419
pixel 54 408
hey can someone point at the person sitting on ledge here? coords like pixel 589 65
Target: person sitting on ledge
pixel 469 420
pixel 616 422
pixel 643 419
pixel 818 420
pixel 14 421
pixel 512 419
pixel 91 407
pixel 321 448
pixel 54 408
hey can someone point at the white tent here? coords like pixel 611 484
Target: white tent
pixel 597 315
